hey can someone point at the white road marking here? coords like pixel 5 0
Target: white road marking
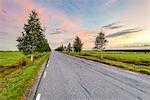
pixel 38 96
pixel 44 74
pixel 47 65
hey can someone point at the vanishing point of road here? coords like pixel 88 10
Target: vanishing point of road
pixel 71 78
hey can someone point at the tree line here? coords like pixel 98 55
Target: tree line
pixel 33 39
pixel 100 43
pixel 77 46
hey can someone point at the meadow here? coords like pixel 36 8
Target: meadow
pixel 133 61
pixel 9 57
pixel 17 73
pixel 137 58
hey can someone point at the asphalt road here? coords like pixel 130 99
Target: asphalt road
pixel 71 78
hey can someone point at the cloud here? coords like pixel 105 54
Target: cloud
pixel 57 31
pixel 110 2
pixel 87 38
pixel 68 40
pixel 113 25
pixel 13 15
pixel 27 5
pixel 84 33
pixel 4 11
pixel 3 33
pixel 124 32
pixel 64 22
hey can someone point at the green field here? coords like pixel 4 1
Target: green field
pixel 134 61
pixel 9 58
pixel 17 73
pixel 126 57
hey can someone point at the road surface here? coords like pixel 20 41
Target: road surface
pixel 71 78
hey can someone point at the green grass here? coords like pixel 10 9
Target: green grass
pixel 126 57
pixel 137 62
pixel 8 58
pixel 13 86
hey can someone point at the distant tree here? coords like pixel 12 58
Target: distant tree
pixel 100 42
pixel 60 48
pixel 33 39
pixel 65 48
pixel 69 48
pixel 77 44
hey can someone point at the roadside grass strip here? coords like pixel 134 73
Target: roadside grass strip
pixel 119 60
pixel 15 85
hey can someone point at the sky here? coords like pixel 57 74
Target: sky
pixel 124 22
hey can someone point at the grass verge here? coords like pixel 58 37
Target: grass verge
pixel 14 86
pixel 128 66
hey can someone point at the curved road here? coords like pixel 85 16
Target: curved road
pixel 71 78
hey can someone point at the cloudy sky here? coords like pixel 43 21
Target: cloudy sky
pixel 123 21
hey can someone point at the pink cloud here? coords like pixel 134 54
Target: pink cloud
pixel 24 7
pixel 21 10
pixel 27 6
pixel 87 37
pixel 68 24
pixel 84 33
pixel 65 23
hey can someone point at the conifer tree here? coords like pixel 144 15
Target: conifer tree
pixel 77 45
pixel 32 39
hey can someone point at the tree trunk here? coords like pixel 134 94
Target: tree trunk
pixel 101 57
pixel 31 57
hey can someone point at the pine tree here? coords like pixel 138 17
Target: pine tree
pixel 77 45
pixel 32 39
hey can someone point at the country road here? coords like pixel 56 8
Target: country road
pixel 71 78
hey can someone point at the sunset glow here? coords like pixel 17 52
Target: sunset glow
pixel 123 21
